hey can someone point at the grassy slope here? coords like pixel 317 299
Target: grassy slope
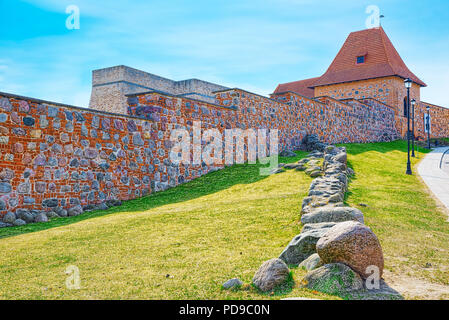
pixel 412 230
pixel 220 226
pixel 202 233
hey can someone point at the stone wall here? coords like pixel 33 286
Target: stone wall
pixel 337 122
pixel 111 85
pixel 389 90
pixel 53 155
pixel 439 118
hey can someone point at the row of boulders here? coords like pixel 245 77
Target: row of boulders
pixel 22 217
pixel 312 142
pixel 338 250
pixel 311 165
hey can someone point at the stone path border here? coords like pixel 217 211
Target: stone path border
pixel 335 246
pixel 436 179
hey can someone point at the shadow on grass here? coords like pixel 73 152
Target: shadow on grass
pixel 210 183
pixel 381 147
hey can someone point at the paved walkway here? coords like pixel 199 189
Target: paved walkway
pixel 436 179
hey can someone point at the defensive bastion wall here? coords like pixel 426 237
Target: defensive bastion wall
pixel 111 85
pixel 54 155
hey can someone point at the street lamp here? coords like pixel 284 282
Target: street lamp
pixel 428 126
pixel 413 127
pixel 408 85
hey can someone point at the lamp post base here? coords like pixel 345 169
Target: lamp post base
pixel 409 170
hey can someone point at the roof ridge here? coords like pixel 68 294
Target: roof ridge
pixel 385 48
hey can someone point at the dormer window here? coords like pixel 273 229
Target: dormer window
pixel 360 59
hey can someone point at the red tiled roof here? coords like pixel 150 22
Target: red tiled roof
pixel 381 60
pixel 302 87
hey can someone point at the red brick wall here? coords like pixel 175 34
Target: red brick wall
pixel 69 156
pixel 389 90
pixel 439 121
pixel 55 155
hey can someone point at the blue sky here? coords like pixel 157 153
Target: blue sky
pixel 253 45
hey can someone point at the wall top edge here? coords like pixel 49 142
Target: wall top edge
pixel 252 93
pixel 434 105
pixel 68 106
pixel 292 92
pixel 162 93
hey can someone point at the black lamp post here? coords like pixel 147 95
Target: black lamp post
pixel 413 127
pixel 408 85
pixel 428 126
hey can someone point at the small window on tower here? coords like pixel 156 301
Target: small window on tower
pixel 360 59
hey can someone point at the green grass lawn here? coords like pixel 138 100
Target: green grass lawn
pixel 185 242
pixel 413 231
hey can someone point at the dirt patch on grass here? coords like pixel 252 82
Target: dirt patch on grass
pixel 412 288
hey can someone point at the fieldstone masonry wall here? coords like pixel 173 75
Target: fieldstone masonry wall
pixel 56 157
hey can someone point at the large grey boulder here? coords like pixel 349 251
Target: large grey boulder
pixel 277 170
pixel 301 247
pixel 334 167
pixel 75 211
pixel 315 226
pixel 335 279
pixel 315 173
pixel 41 217
pixel 332 214
pixel 292 166
pixel 341 157
pixel 331 150
pixel 63 213
pixel 271 274
pixel 113 203
pixel 9 217
pixel 353 244
pixel 19 222
pixel 232 283
pixel 51 214
pixel 60 212
pixel 312 262
pixel 89 207
pixel 316 154
pixel 350 172
pixel 25 215
pixel 287 153
pixel 102 206
pixel 311 142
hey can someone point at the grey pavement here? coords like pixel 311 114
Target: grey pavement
pixel 435 178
